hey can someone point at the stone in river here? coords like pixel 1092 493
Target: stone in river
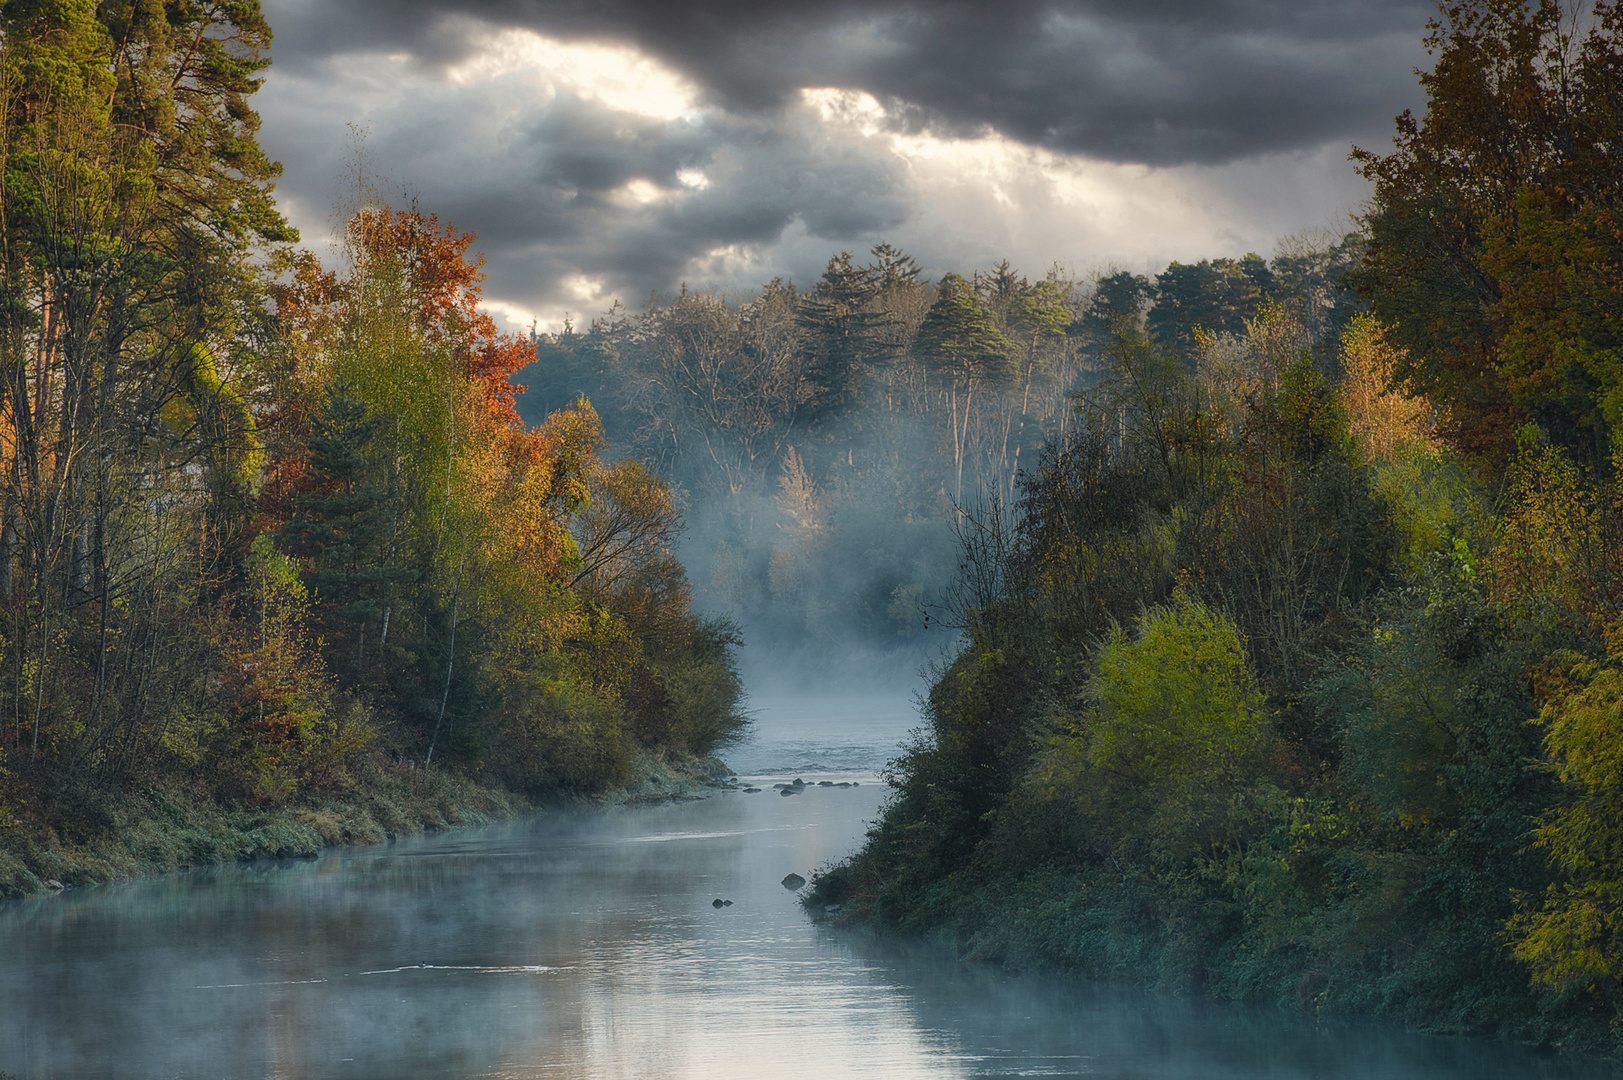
pixel 718 902
pixel 752 791
pixel 789 791
pixel 825 783
pixel 793 881
pixel 798 782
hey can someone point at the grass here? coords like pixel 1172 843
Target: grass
pixel 89 837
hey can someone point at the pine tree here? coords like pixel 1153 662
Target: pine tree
pixel 842 340
pixel 344 527
pixel 961 341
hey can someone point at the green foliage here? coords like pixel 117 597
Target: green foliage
pixel 1573 940
pixel 347 528
pixel 1212 295
pixel 844 336
pixel 1177 706
pixel 566 739
pixel 1306 773
pixel 960 337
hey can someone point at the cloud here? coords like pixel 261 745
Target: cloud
pixel 581 184
pixel 606 151
pixel 1161 83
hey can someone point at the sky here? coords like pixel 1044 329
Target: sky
pixel 605 149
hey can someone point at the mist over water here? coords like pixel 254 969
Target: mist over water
pixel 855 737
pixel 585 945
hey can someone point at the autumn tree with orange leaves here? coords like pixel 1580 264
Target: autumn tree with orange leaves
pixel 504 614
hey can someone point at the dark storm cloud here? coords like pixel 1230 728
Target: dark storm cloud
pixel 563 188
pixel 1186 82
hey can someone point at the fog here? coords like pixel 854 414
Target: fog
pixel 587 945
pixel 828 442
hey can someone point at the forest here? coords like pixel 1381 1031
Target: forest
pixel 1291 669
pixel 276 551
pixel 1279 596
pixel 829 438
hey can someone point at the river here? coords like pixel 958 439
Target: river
pixel 586 945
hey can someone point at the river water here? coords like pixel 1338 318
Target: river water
pixel 586 945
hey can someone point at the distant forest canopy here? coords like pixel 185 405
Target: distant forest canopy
pixel 1294 672
pixel 265 526
pixel 826 438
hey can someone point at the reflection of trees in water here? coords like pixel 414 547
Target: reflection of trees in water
pixel 996 1023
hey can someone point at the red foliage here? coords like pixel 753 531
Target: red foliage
pixel 447 285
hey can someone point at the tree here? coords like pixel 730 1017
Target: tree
pixel 1572 937
pixel 347 529
pixel 134 195
pixel 1493 233
pixel 842 335
pixel 1178 721
pixel 1216 295
pixel 961 342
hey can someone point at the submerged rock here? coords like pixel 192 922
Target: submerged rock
pixel 752 791
pixel 793 881
pixel 790 791
pixel 825 783
pixel 718 902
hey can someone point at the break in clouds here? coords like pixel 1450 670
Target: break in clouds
pixel 605 150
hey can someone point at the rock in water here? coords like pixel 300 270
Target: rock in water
pixel 793 881
pixel 726 903
pixel 718 902
pixel 789 791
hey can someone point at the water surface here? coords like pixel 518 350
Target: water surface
pixel 586 946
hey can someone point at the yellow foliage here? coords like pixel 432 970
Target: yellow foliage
pixel 1576 937
pixel 1383 421
pixel 1236 371
pixel 1559 536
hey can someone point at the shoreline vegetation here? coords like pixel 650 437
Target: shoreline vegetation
pixel 154 832
pixel 280 564
pixel 1294 673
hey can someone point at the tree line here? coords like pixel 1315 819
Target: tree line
pixel 833 434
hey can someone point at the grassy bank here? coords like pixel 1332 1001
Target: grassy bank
pixel 90 837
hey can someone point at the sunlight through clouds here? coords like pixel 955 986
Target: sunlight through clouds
pixel 617 75
pixel 592 170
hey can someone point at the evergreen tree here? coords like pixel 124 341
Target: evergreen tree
pixel 345 527
pixel 1215 295
pixel 960 340
pixel 842 341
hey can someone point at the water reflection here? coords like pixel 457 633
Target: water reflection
pixel 580 946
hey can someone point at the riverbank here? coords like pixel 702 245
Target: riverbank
pixel 90 837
